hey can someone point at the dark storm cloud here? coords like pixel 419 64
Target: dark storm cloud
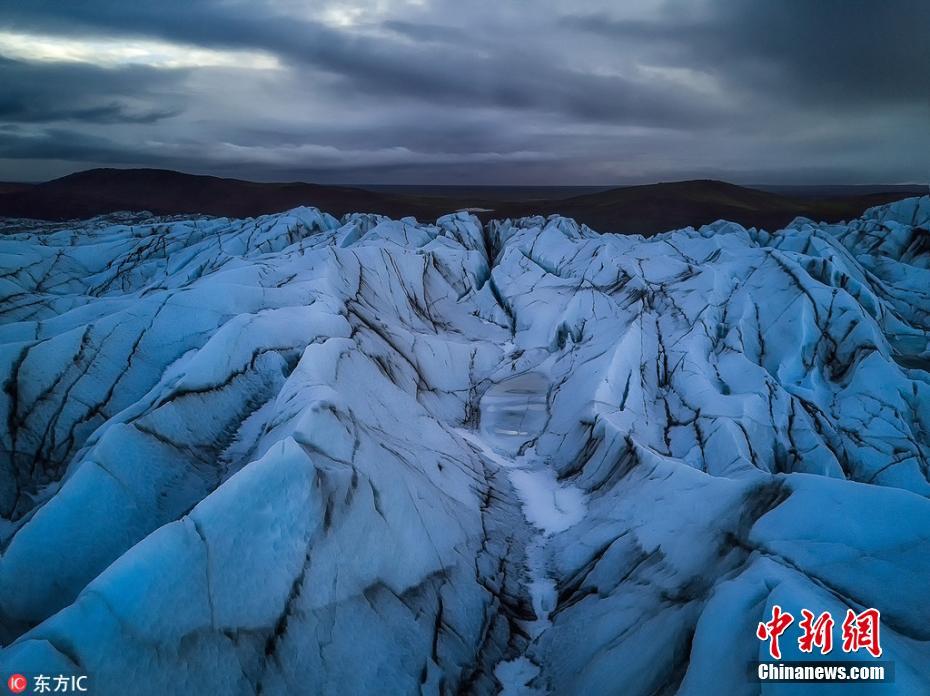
pixel 65 144
pixel 558 92
pixel 379 66
pixel 44 92
pixel 54 143
pixel 853 51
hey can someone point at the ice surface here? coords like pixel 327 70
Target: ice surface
pixel 296 454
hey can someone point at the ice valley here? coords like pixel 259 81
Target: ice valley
pixel 296 454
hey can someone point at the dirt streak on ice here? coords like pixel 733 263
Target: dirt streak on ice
pixel 514 412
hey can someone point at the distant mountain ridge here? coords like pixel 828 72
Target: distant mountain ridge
pixel 655 208
pixel 164 192
pixel 646 209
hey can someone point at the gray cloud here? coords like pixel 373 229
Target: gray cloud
pixel 377 65
pixel 487 91
pixel 44 92
pixel 66 144
pixel 850 51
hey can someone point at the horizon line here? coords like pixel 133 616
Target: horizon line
pixel 643 182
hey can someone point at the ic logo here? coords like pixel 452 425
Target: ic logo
pixel 17 683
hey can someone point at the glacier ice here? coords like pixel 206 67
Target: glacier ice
pixel 296 454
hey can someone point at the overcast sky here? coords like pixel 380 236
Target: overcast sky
pixel 469 91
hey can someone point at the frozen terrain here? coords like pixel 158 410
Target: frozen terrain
pixel 296 454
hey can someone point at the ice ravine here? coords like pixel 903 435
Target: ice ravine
pixel 296 454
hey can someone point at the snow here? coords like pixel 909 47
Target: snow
pixel 301 454
pixel 515 676
pixel 548 505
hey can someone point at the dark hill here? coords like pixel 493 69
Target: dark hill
pixel 632 209
pixel 163 192
pixel 657 207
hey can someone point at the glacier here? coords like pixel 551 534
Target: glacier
pixel 301 454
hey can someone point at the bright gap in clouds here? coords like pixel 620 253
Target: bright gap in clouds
pixel 107 52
